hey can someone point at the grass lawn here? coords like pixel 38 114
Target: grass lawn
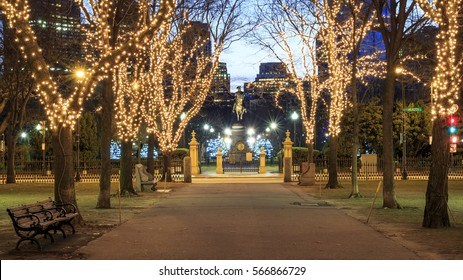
pixel 410 195
pixel 86 194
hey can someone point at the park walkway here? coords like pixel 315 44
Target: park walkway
pixel 243 221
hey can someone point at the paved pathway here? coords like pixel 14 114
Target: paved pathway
pixel 243 221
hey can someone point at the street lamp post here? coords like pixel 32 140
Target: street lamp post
pixel 78 150
pixel 80 74
pixel 2 151
pixel 41 128
pixel 294 117
pixel 182 117
pixel 399 70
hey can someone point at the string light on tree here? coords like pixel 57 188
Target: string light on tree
pixel 448 78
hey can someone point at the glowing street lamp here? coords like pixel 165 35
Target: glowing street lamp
pixel 41 128
pixel 80 74
pixel 294 117
pixel 182 117
pixel 251 131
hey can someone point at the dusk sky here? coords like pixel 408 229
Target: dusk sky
pixel 243 61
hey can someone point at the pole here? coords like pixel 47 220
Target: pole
pixel 3 150
pixel 184 143
pixel 78 151
pixel 404 133
pixel 44 171
pixel 294 132
pixel 374 200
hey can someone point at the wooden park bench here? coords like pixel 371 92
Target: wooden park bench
pixel 40 218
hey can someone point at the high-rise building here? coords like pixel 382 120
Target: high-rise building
pixel 220 89
pixel 267 82
pixel 57 26
pixel 198 31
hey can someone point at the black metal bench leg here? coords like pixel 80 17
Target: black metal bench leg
pixel 33 240
pixel 69 223
pixel 58 228
pixel 45 234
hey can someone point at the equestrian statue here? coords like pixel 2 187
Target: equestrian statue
pixel 238 106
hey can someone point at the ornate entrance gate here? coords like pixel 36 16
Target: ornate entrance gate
pixel 241 167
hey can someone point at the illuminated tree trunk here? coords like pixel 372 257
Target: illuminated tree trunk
pixel 126 183
pixel 389 198
pixel 167 174
pixel 333 164
pixel 107 102
pixel 310 153
pixel 63 166
pixel 436 209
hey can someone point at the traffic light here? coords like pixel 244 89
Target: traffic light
pixel 452 123
pixel 454 139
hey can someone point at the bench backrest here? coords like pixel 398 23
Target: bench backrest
pixel 22 210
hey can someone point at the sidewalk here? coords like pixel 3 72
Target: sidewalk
pixel 240 220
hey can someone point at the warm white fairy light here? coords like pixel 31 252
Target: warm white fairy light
pixel 65 111
pixel 177 81
pixel 128 99
pixel 338 39
pixel 448 76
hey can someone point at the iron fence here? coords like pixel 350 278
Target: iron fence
pixel 417 169
pixel 38 170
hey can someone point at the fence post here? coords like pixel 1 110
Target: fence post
pixel 287 149
pixel 194 154
pixel 187 169
pixel 262 169
pixel 287 169
pixel 219 167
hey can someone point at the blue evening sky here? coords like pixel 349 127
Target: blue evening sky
pixel 243 60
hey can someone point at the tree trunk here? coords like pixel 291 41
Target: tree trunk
pixel 310 153
pixel 107 102
pixel 436 209
pixel 333 182
pixel 389 198
pixel 10 164
pixel 126 183
pixel 64 166
pixel 150 160
pixel 167 174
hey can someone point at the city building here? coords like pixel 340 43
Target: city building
pixel 57 26
pixel 198 31
pixel 220 89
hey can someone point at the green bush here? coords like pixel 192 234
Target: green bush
pixel 299 154
pixel 180 153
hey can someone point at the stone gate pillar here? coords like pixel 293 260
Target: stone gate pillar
pixel 287 157
pixel 262 169
pixel 194 144
pixel 219 167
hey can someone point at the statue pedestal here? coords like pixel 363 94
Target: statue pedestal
pixel 307 177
